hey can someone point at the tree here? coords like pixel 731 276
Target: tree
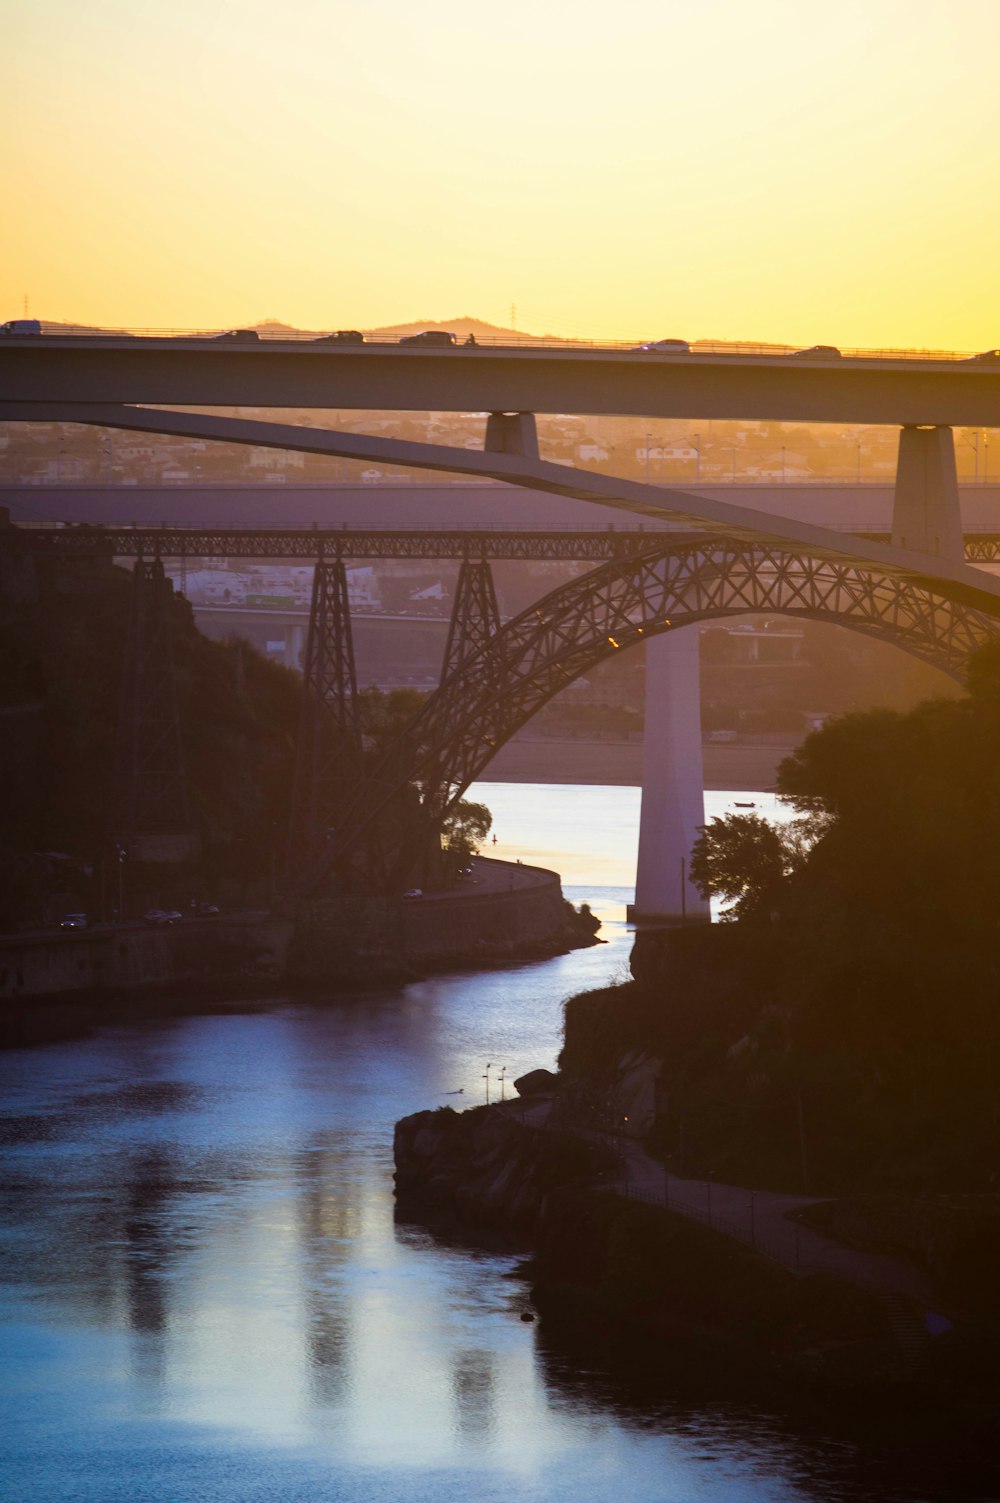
pixel 464 829
pixel 744 860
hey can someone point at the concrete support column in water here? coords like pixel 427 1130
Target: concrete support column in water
pixel 672 782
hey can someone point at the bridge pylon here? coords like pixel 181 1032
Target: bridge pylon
pixel 328 761
pixel 926 510
pixel 475 615
pixel 151 815
pixel 673 801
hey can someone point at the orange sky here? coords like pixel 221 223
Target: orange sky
pixel 781 170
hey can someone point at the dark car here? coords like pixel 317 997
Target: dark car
pixel 986 357
pixel 22 326
pixel 666 347
pixel 431 336
pixel 341 336
pixel 74 921
pixel 817 352
pixel 237 336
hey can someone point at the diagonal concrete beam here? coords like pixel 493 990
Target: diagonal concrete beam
pixel 952 579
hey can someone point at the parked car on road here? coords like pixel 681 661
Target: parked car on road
pixel 430 336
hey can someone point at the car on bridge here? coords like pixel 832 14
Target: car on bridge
pixel 74 921
pixel 985 357
pixel 431 336
pixel 341 336
pixel 817 352
pixel 21 326
pixel 665 347
pixel 237 336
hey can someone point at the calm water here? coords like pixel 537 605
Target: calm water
pixel 205 1296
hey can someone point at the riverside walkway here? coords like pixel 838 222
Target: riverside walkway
pixel 759 1219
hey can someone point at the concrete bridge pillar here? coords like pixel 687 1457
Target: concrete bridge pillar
pixel 512 433
pixel 673 804
pixel 926 514
pixel 295 639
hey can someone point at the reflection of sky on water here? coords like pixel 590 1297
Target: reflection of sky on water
pixel 590 834
pixel 206 1296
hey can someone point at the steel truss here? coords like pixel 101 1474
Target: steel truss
pixel 475 615
pixel 309 544
pixel 496 690
pixel 150 781
pixel 328 752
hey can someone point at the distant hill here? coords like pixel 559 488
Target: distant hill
pixel 274 328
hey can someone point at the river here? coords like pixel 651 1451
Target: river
pixel 206 1298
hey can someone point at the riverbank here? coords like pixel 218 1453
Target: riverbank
pixel 551 759
pixel 62 981
pixel 622 1253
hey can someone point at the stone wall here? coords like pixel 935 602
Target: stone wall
pixel 452 926
pixel 123 959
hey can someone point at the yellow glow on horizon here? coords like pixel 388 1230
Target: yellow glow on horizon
pixel 780 170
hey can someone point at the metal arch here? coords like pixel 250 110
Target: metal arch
pixel 494 691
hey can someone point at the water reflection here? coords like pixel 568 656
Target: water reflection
pixel 206 1296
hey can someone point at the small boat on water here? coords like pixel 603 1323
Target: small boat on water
pixel 738 805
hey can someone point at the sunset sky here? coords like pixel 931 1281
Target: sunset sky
pixel 743 169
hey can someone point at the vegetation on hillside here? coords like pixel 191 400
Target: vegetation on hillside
pixel 843 1032
pixel 61 659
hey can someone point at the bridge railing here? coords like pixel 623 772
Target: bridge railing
pixel 508 339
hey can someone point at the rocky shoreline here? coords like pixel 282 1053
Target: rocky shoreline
pixel 525 1169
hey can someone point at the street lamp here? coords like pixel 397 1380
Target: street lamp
pixel 486 1077
pixel 503 1076
pixel 120 849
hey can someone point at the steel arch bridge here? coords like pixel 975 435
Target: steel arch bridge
pixel 497 688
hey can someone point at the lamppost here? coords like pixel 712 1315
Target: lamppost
pixel 120 849
pixel 486 1077
pixel 503 1075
